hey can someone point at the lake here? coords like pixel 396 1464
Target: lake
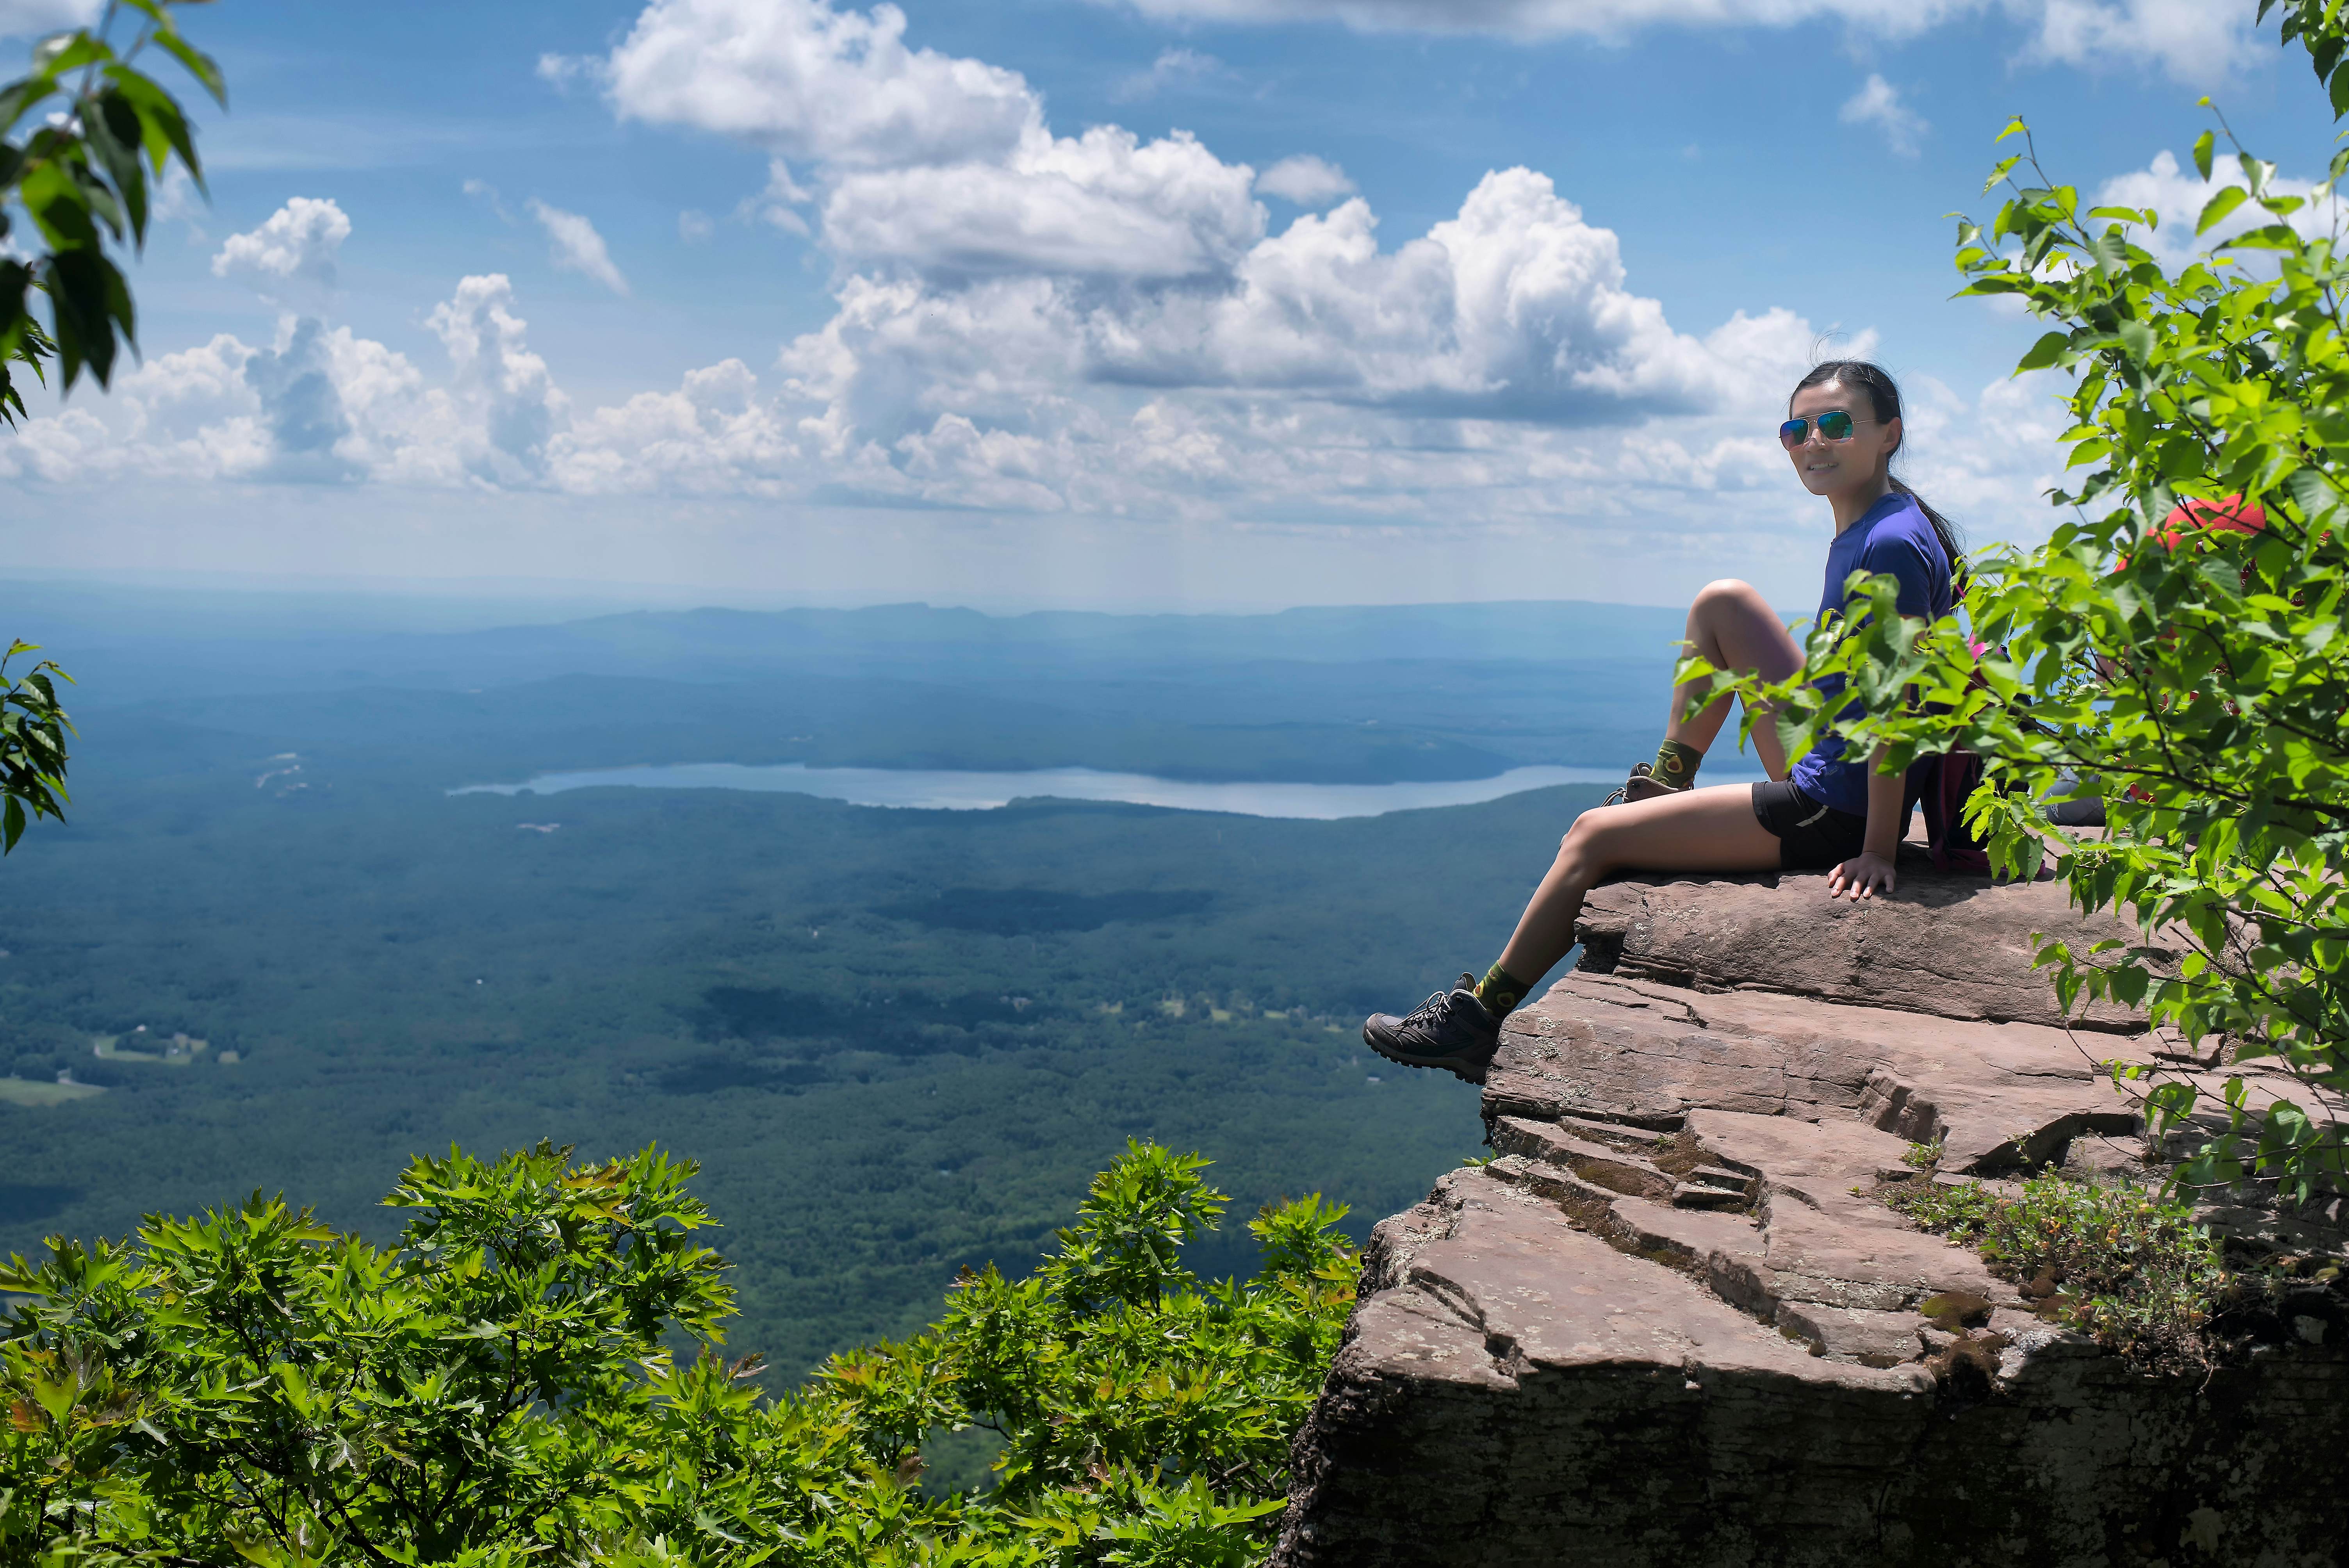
pixel 940 791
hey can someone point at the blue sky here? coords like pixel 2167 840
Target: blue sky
pixel 1169 303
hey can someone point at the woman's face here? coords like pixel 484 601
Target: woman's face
pixel 1826 467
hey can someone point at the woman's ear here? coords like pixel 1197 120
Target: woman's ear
pixel 1894 432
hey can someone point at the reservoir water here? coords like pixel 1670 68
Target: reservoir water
pixel 937 791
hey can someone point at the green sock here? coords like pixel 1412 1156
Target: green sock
pixel 1500 991
pixel 1676 764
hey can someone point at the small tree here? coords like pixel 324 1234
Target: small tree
pixel 2177 644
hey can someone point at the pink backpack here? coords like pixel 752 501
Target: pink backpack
pixel 1942 785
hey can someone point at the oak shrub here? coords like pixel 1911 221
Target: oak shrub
pixel 531 1372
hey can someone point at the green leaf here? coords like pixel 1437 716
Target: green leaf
pixel 60 207
pixel 90 301
pixel 62 52
pixel 2313 489
pixel 2202 148
pixel 2268 237
pixel 112 129
pixel 2049 350
pixel 163 130
pixel 20 96
pixel 198 64
pixel 2216 209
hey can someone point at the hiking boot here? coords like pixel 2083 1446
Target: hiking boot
pixel 1643 785
pixel 1450 1029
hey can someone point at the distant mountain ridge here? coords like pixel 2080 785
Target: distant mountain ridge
pixel 140 644
pixel 1346 695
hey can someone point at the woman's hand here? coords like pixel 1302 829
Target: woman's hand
pixel 1860 876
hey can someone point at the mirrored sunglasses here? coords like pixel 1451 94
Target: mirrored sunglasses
pixel 1834 425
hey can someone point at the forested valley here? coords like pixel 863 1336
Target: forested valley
pixel 898 1042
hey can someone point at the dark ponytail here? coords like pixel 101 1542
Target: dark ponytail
pixel 1884 404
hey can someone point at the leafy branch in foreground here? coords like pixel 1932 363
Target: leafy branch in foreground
pixel 101 128
pixel 2175 645
pixel 33 730
pixel 502 1386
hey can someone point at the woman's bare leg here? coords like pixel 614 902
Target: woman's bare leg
pixel 1703 829
pixel 1732 627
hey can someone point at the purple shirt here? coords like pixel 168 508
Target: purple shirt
pixel 1894 537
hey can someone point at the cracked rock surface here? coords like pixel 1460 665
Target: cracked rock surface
pixel 1673 1323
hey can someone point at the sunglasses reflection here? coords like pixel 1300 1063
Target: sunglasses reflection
pixel 1834 425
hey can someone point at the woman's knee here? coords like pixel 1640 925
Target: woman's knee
pixel 1578 833
pixel 1579 850
pixel 1730 593
pixel 1730 622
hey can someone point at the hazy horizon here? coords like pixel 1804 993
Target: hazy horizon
pixel 607 597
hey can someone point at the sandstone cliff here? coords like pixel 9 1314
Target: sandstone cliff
pixel 1674 1322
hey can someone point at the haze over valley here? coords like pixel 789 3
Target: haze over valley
pixel 900 1040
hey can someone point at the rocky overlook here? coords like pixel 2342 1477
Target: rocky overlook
pixel 1673 1321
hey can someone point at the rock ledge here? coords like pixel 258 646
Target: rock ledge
pixel 1673 1323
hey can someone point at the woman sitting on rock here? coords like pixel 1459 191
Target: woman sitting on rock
pixel 1831 813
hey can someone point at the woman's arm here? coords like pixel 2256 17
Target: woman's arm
pixel 1864 874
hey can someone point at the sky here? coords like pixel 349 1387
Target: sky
pixel 1163 304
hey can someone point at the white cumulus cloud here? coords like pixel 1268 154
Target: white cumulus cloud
pixel 509 406
pixel 578 248
pixel 1516 308
pixel 807 81
pixel 1878 103
pixel 296 246
pixel 320 404
pixel 2196 41
pixel 1058 262
pixel 1105 203
pixel 1308 181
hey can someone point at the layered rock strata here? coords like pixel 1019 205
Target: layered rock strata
pixel 1674 1322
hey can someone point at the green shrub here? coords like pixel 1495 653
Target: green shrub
pixel 2117 1262
pixel 502 1384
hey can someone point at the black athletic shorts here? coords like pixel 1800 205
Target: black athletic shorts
pixel 1811 837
